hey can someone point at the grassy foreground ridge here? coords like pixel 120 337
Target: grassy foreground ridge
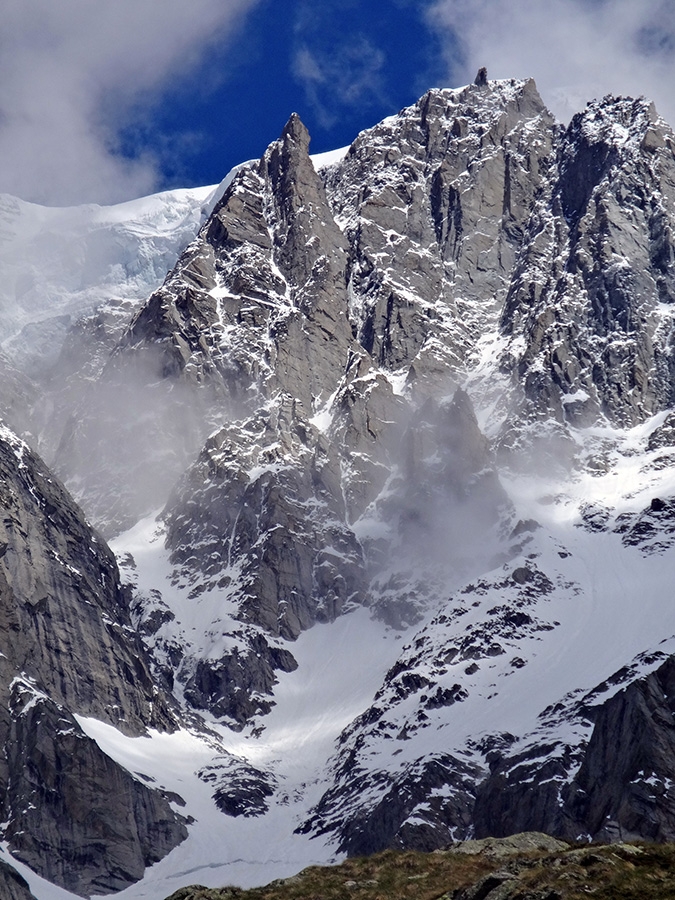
pixel 528 866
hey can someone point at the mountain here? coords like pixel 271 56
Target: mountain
pixel 385 463
pixel 68 648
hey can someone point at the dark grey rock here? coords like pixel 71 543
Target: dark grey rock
pixel 77 818
pixel 68 647
pixel 622 790
pixel 616 786
pixel 60 599
pixel 240 789
pixel 237 685
pixel 264 504
pixel 611 238
pixel 651 529
pixel 495 886
pixel 450 183
pixel 386 823
pixel 12 885
pixel 481 78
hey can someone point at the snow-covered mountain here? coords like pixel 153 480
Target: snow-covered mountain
pixel 386 464
pixel 59 264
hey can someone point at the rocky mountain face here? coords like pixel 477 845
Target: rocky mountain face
pixel 68 649
pixel 14 887
pixel 425 387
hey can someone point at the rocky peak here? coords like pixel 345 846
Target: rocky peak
pixel 607 135
pixel 295 132
pixel 256 305
pixel 591 288
pixel 312 252
pixel 69 648
pixel 297 202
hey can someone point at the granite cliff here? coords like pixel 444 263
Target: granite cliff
pixel 386 462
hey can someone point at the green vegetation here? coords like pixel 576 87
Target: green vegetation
pixel 496 872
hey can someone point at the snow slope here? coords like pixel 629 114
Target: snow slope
pixel 59 263
pixel 581 591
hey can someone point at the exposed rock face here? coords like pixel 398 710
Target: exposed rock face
pixel 599 769
pixel 256 305
pixel 13 885
pixel 266 505
pixel 604 232
pixel 61 600
pixel 78 818
pixel 608 779
pixel 289 267
pixel 255 320
pixel 240 790
pixel 376 799
pixel 623 787
pixel 319 397
pixel 387 823
pixel 434 203
pixel 255 482
pixel 615 786
pixel 68 647
pixel 470 213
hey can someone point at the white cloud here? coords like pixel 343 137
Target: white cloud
pixel 347 76
pixel 575 49
pixel 72 71
pixel 335 59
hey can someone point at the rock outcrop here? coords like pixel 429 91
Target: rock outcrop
pixel 75 816
pixel 616 786
pixel 256 305
pixel 69 811
pixel 13 885
pixel 602 237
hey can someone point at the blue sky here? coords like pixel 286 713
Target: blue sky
pixel 342 66
pixel 102 101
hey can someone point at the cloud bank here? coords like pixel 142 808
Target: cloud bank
pixel 575 49
pixel 74 73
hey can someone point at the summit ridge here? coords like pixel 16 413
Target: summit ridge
pixel 386 463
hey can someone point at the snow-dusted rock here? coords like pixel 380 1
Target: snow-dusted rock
pixel 407 414
pixel 68 648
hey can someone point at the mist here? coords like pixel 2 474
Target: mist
pixel 575 50
pixel 446 514
pixel 74 74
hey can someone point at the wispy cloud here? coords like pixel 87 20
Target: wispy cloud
pixel 575 49
pixel 349 75
pixel 336 60
pixel 74 73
